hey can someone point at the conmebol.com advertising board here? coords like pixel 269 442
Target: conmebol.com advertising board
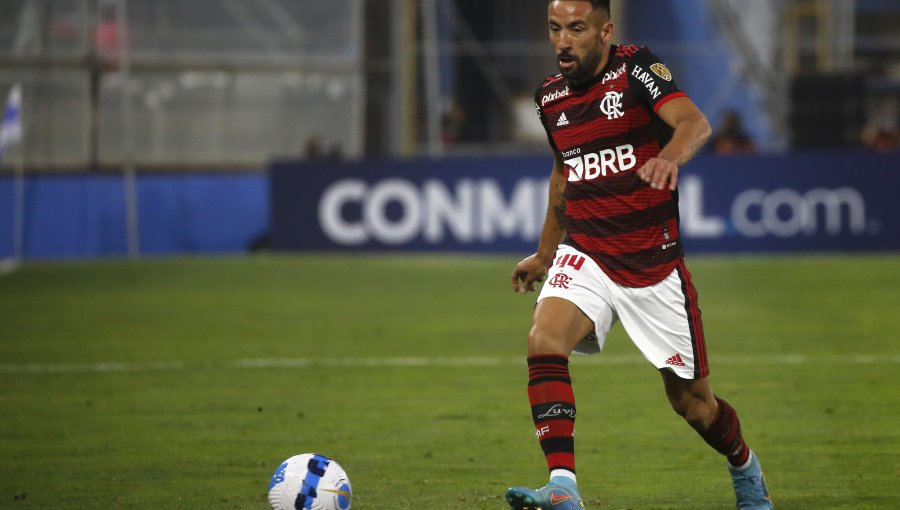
pixel 807 202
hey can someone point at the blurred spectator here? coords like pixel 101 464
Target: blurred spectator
pixel 107 39
pixel 881 139
pixel 317 148
pixel 730 137
pixel 106 35
pixel 453 119
pixel 527 126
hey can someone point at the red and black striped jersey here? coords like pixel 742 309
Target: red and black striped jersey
pixel 604 130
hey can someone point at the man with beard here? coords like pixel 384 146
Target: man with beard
pixel 610 248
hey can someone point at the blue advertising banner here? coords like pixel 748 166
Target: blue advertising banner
pixel 792 203
pixel 455 204
pixel 806 202
pixel 83 215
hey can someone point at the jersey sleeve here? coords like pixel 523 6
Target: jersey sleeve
pixel 542 117
pixel 649 75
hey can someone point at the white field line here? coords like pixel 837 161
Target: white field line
pixel 76 368
pixel 400 362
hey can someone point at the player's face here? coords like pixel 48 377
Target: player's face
pixel 580 37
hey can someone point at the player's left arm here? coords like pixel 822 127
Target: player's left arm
pixel 691 131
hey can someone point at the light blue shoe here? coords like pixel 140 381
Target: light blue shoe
pixel 553 496
pixel 750 487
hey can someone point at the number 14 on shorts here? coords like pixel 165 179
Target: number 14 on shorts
pixel 574 261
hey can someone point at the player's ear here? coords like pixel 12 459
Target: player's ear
pixel 608 30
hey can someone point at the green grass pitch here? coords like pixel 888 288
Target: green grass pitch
pixel 182 384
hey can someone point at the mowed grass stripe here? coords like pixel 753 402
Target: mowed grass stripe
pixel 101 367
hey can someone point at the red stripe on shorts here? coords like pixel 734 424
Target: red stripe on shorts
pixel 695 324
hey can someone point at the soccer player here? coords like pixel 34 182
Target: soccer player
pixel 610 248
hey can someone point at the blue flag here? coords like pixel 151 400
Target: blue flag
pixel 11 127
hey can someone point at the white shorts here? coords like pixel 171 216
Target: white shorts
pixel 663 320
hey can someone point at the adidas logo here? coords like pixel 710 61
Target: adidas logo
pixel 563 121
pixel 676 360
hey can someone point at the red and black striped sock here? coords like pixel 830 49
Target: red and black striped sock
pixel 553 409
pixel 724 435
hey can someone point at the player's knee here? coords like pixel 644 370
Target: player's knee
pixel 695 411
pixel 544 341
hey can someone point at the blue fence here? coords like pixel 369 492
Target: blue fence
pixel 796 203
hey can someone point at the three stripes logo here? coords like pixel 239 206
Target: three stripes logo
pixel 563 121
pixel 676 361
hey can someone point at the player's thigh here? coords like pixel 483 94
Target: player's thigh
pixel 573 307
pixel 558 325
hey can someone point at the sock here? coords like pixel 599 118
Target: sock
pixel 724 435
pixel 553 409
pixel 567 480
pixel 746 464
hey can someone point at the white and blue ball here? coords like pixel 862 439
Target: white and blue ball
pixel 310 482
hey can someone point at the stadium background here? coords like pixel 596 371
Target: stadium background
pixel 178 161
pixel 342 154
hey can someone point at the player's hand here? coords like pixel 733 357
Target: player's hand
pixel 527 272
pixel 659 173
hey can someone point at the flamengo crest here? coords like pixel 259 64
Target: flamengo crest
pixel 611 105
pixel 560 280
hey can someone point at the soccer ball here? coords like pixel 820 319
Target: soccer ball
pixel 310 481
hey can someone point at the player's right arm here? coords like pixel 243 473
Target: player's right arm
pixel 534 268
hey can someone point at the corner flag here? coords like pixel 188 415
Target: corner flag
pixel 11 127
